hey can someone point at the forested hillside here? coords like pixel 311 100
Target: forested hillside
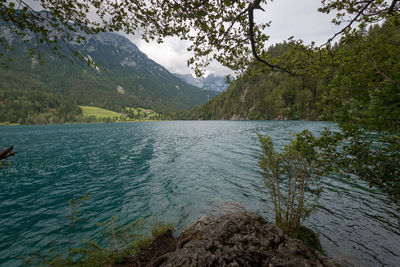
pixel 265 96
pixel 32 92
pixel 331 90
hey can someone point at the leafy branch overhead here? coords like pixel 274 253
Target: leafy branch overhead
pixel 221 30
pixel 350 12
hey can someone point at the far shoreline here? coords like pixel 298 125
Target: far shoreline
pixel 3 124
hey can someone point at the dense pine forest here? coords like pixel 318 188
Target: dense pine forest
pixel 37 107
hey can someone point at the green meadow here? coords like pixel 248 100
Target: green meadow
pixel 96 114
pixel 99 113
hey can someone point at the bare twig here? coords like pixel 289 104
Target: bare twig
pixel 232 24
pixel 372 61
pixel 348 26
pixel 5 153
pixel 113 236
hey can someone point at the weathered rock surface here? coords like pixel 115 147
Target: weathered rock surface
pixel 230 236
pixel 240 239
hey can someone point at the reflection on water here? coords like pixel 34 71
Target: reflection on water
pixel 176 171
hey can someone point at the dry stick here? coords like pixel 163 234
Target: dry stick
pixel 5 153
pixel 289 204
pixel 274 193
pixel 278 192
pixel 113 235
pixel 93 244
pixel 301 204
pixel 293 194
pixel 70 234
pixel 287 201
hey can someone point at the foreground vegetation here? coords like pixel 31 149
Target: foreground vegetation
pixel 116 244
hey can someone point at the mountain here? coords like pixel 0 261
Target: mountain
pixel 211 82
pixel 265 96
pixel 124 77
pixel 356 82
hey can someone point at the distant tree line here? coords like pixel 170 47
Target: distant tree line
pixel 36 107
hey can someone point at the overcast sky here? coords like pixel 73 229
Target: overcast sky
pixel 298 18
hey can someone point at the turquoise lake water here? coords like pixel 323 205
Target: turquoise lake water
pixel 174 171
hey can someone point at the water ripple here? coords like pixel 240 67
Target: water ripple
pixel 175 171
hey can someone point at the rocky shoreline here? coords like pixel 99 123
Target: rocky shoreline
pixel 239 238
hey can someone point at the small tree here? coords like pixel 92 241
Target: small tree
pixel 293 177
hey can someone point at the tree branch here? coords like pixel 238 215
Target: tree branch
pixel 251 8
pixel 5 153
pixel 348 26
pixel 232 24
pixel 373 62
pixel 392 6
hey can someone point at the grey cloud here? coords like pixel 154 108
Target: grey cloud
pixel 298 18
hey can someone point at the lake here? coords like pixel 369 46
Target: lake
pixel 175 171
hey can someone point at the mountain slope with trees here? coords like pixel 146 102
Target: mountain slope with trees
pixel 335 91
pixel 266 95
pixel 123 77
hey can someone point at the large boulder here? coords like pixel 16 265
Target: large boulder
pixel 239 239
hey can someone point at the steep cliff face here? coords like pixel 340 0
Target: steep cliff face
pixel 210 83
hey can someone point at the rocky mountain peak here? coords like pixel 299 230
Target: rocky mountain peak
pixel 211 83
